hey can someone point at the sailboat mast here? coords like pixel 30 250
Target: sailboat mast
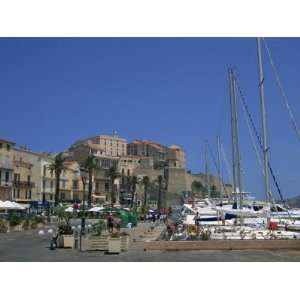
pixel 207 172
pixel 237 144
pixel 264 124
pixel 220 168
pixel 232 135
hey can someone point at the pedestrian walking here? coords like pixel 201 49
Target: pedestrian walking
pixel 110 223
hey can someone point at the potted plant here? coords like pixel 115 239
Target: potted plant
pixel 3 226
pixel 124 241
pixel 97 241
pixel 15 222
pixel 37 222
pixel 66 232
pixel 26 224
pixel 114 243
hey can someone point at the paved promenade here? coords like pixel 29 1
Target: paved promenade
pixel 29 246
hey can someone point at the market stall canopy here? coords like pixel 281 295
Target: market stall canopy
pixel 18 206
pixel 11 205
pixel 96 209
pixel 69 209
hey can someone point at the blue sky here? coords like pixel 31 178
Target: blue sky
pixel 54 91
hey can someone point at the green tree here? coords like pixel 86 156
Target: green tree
pixel 214 192
pixel 160 182
pixel 197 186
pixel 133 183
pixel 146 182
pixel 113 174
pixel 58 167
pixel 90 165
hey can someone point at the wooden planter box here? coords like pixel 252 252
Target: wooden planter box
pixel 124 243
pixel 39 225
pixel 17 228
pixel 68 241
pixel 99 243
pixel 114 245
pixel 85 243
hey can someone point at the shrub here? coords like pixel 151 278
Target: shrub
pixel 35 220
pixel 124 233
pixel 99 227
pixel 115 235
pixel 3 226
pixel 65 229
pixel 205 235
pixel 14 220
pixel 38 219
pixel 26 224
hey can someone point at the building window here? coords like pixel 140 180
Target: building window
pixel 1 145
pixel 25 194
pixel 0 176
pixel 7 147
pixel 17 178
pixel 51 185
pixel 63 184
pixel 63 196
pixel 75 184
pixel 18 193
pixel 6 176
pixel 97 187
pixel 29 196
pixel 14 193
pixel 44 171
pixel 51 197
pixel 28 179
pixel 106 187
pixel 44 184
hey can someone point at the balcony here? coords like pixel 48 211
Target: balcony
pixel 7 184
pixel 24 184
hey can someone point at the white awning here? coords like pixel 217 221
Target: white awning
pixel 11 205
pixel 96 209
pixel 99 197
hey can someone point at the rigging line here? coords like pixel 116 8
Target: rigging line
pixel 283 94
pixel 259 139
pixel 226 164
pixel 253 141
pixel 216 166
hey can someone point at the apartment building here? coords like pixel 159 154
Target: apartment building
pixel 108 145
pixel 6 169
pixel 71 184
pixel 25 177
pixel 147 148
pixel 45 178
pixel 172 156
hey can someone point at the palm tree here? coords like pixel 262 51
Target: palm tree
pixel 160 180
pixel 58 167
pixel 133 183
pixel 90 165
pixel 145 182
pixel 113 174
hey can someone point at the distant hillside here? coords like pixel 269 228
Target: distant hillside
pixel 294 202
